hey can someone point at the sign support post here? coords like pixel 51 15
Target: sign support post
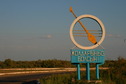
pixel 97 71
pixel 87 71
pixel 78 71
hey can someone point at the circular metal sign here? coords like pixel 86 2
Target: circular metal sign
pixel 91 37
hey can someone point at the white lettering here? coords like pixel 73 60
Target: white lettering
pixel 88 53
pixel 87 58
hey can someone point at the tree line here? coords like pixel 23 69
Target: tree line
pixel 54 63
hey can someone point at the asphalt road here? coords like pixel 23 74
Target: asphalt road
pixel 25 78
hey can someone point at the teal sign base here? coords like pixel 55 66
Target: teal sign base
pixel 87 56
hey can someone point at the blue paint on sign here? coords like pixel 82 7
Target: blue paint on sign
pixel 87 56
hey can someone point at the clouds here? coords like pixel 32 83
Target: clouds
pixel 31 37
pixel 45 37
pixel 23 43
pixel 113 36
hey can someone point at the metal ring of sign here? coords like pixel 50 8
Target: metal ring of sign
pixel 101 26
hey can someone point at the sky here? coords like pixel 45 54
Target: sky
pixel 39 29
